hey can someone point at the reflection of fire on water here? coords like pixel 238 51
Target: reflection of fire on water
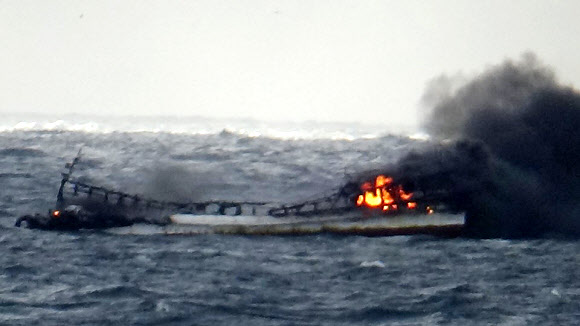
pixel 384 194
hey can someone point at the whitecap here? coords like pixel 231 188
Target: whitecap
pixel 374 263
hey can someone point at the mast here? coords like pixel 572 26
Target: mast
pixel 66 176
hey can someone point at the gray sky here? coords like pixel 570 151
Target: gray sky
pixel 329 60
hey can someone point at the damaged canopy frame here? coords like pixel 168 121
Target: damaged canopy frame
pixel 74 191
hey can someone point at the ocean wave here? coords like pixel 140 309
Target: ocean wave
pixel 374 263
pixel 202 126
pixel 22 152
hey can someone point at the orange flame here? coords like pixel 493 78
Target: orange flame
pixel 382 181
pixel 387 198
pixel 382 193
pixel 403 194
pixel 373 200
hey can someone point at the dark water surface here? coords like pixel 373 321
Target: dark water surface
pixel 114 278
pixel 99 278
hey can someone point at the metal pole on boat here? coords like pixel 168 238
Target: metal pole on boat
pixel 66 176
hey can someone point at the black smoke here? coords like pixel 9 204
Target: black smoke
pixel 509 151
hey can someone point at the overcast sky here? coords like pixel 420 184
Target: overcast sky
pixel 330 60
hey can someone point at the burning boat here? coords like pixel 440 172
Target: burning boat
pixel 376 207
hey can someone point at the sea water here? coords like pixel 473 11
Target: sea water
pixel 151 277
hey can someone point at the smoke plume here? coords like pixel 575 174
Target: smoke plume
pixel 512 159
pixel 173 183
